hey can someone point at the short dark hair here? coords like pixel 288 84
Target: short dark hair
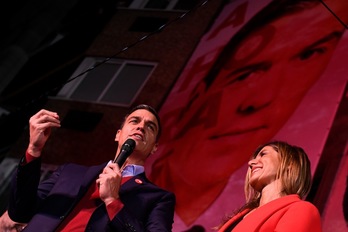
pixel 273 11
pixel 151 110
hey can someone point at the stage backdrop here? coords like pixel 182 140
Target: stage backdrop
pixel 265 70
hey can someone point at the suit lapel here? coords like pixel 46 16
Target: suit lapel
pixel 89 177
pixel 135 182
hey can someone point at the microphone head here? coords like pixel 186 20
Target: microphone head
pixel 129 145
pixel 126 149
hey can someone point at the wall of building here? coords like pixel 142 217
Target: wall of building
pixel 170 48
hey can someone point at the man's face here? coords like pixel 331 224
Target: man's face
pixel 142 127
pixel 261 90
pixel 261 83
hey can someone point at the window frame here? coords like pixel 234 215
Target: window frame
pixel 66 92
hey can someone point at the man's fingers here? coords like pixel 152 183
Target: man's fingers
pixel 47 112
pixel 49 120
pixel 114 167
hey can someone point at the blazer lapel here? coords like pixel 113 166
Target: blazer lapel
pixel 135 182
pixel 89 177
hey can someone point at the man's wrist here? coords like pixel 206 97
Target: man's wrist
pixel 33 151
pixel 28 158
pixel 114 207
pixel 110 200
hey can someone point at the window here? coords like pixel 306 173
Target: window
pixel 157 4
pixel 147 24
pixel 116 82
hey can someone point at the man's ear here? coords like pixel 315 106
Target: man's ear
pixel 154 149
pixel 117 137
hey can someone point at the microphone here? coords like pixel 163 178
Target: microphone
pixel 126 149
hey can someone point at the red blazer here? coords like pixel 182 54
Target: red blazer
pixel 285 214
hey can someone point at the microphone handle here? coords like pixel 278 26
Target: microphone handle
pixel 121 158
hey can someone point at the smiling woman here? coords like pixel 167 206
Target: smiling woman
pixel 264 168
pixel 278 179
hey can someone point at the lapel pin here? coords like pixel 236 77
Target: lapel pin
pixel 138 181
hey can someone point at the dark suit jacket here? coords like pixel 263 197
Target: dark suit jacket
pixel 45 205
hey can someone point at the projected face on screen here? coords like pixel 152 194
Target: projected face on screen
pixel 253 88
pixel 257 88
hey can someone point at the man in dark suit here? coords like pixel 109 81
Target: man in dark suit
pixel 98 198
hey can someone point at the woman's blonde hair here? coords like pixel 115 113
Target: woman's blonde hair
pixel 294 172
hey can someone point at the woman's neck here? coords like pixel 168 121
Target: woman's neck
pixel 271 192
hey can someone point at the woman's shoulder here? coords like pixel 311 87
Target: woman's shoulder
pixel 303 207
pixel 293 203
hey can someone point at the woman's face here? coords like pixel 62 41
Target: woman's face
pixel 261 84
pixel 264 168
